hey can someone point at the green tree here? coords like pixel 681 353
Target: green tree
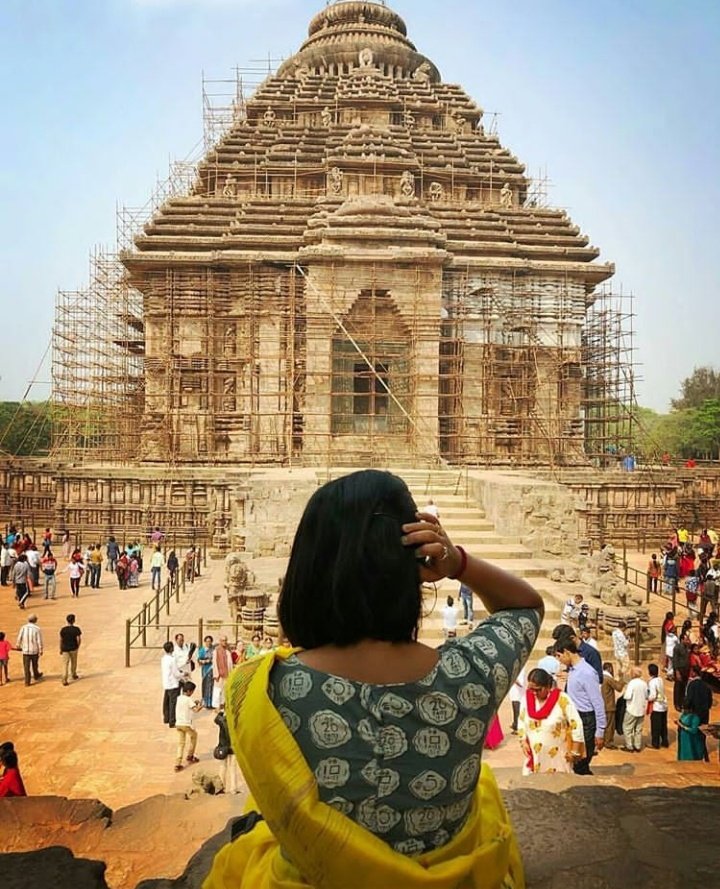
pixel 702 385
pixel 25 428
pixel 703 432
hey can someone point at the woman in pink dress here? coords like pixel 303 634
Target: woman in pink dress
pixel 495 736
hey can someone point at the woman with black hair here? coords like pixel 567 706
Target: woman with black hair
pixel 11 782
pixel 361 746
pixel 551 731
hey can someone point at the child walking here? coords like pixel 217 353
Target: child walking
pixel 5 648
pixel 185 710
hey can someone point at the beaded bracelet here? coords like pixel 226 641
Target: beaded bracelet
pixel 463 564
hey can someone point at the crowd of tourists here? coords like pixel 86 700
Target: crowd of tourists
pixel 689 567
pixel 216 661
pixel 31 569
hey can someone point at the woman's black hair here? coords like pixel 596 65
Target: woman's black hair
pixel 541 677
pixel 9 759
pixel 349 576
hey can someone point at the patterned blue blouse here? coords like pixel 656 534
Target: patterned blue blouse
pixel 403 760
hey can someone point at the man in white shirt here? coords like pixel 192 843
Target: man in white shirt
pixel 571 611
pixel 450 618
pixel 30 642
pixel 517 692
pixel 185 710
pixel 621 645
pixel 171 679
pixel 658 715
pixel 636 696
pixel 182 652
pixel 587 637
pixel 431 508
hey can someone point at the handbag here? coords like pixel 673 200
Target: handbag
pixel 221 752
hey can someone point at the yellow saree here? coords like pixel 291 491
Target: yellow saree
pixel 305 844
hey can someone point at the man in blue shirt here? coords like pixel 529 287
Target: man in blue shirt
pixel 587 652
pixel 583 689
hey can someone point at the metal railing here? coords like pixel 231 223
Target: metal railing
pixel 148 618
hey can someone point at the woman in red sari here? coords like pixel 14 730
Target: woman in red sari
pixel 11 782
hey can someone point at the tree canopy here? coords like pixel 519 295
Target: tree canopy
pixel 702 385
pixel 25 428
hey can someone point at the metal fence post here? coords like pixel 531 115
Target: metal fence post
pixel 200 632
pixel 157 610
pixel 144 624
pixel 637 641
pixel 127 643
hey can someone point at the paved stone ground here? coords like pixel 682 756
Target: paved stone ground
pixel 103 735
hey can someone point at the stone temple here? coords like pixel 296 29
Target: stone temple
pixel 356 273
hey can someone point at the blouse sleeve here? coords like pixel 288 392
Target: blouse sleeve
pixel 499 647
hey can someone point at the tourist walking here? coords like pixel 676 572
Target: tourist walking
pixel 710 589
pixel 122 570
pixel 47 540
pixel 550 728
pixel 466 598
pixel 653 573
pixel 112 552
pixel 70 639
pixel 670 571
pixel 659 708
pixel 517 694
pixel 88 551
pixel 33 560
pixel 690 738
pixel 636 698
pixel 95 565
pixel 621 647
pixel 21 579
pixel 583 690
pixel 65 543
pixel 610 685
pixel 205 659
pixel 185 710
pixel 222 667
pixel 11 782
pixel 6 563
pixel 223 752
pixel 172 566
pixel 75 570
pixel 681 670
pixel 156 566
pixel 30 643
pixel 48 566
pixel 133 572
pixel 450 618
pixel 171 678
pixel 5 649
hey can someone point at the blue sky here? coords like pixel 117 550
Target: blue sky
pixel 616 98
